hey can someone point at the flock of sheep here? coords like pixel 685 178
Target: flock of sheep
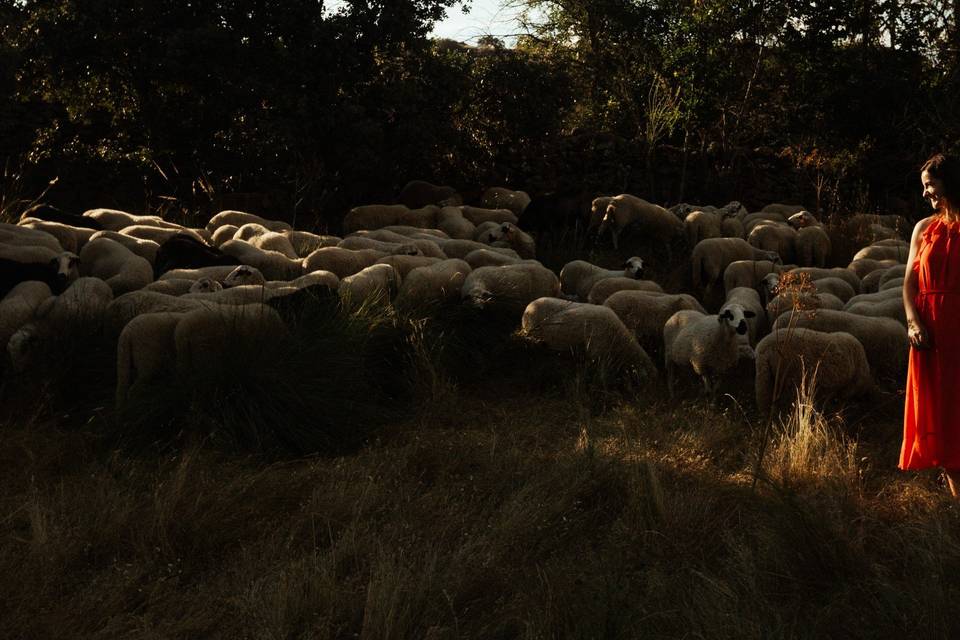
pixel 178 296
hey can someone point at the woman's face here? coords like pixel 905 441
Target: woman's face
pixel 932 189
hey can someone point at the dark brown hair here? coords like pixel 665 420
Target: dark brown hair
pixel 945 168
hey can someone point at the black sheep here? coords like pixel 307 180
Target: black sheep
pixel 55 272
pixel 52 214
pixel 185 252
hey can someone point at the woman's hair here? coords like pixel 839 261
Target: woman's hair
pixel 946 168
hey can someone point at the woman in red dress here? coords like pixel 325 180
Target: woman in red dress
pixel 931 299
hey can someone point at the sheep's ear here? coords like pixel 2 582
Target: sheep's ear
pixel 749 314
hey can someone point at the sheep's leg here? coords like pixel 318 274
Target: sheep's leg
pixel 671 378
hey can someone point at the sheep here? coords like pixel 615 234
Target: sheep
pixel 708 344
pixel 598 209
pixel 895 284
pixel 652 221
pixel 116 265
pixel 312 279
pixel 240 218
pixel 114 220
pixel 207 337
pixel 747 273
pixel 249 231
pixel 488 258
pixel 274 241
pixel 460 248
pixel 645 313
pixel 812 246
pixel 422 247
pixel 805 300
pixel 884 340
pixel 884 252
pixel 450 220
pixel 420 193
pixel 484 231
pixel 434 284
pixel 143 350
pixel 50 213
pixel 374 284
pixel 124 308
pixel 147 249
pixel 864 266
pixel 865 220
pixel 891 307
pixel 239 295
pixel 70 238
pixel 700 225
pixel 223 233
pixel 478 215
pixel 273 265
pixel 510 287
pixel 416 232
pixel 753 220
pixel 803 219
pixel 181 286
pixel 516 239
pixel 749 300
pixel 579 276
pixel 186 252
pixel 372 216
pixel 783 209
pixel 424 217
pixel 243 275
pixel 305 243
pixel 20 263
pixel 816 273
pixel 158 234
pixel 217 272
pixel 592 330
pixel 871 282
pixel 405 264
pixel 837 358
pixel 19 306
pixel 387 235
pixel 835 286
pixel 606 287
pixel 876 296
pixel 503 198
pixel 780 238
pixel 340 261
pixel 712 256
pixel 14 234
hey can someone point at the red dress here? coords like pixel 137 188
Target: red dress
pixel 931 416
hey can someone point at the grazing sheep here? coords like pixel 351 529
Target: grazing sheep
pixel 435 284
pixel 891 307
pixel 895 284
pixel 186 252
pixel 20 263
pixel 112 262
pixel 420 193
pixel 305 243
pixel 816 273
pixel 838 360
pixel 224 233
pixel 405 264
pixel 803 219
pixel 515 239
pixel 884 252
pixel 478 215
pixel 645 313
pixel 488 258
pixel 128 306
pixel 732 228
pixel 424 217
pixel 606 287
pixel 751 221
pixel 779 238
pixel 273 265
pixel 375 284
pixel 147 249
pixel 598 209
pixel 19 306
pixel 652 221
pixel 450 220
pixel 240 218
pixel 312 279
pixel 884 340
pixel 243 275
pixel 711 257
pixel 144 350
pixel 579 276
pixel 17 235
pixel 871 282
pixel 807 300
pixel 591 330
pixel 460 248
pixel 182 286
pixel 835 286
pixel 421 247
pixel 700 225
pixel 812 246
pixel 865 266
pixel 158 234
pixel 274 241
pixel 708 344
pixel 748 273
pixel 50 213
pixel 484 232
pixel 218 273
pixel 783 209
pixel 503 198
pixel 340 261
pixel 876 296
pixel 70 238
pixel 249 231
pixel 372 216
pixel 509 288
pixel 415 232
pixel 114 220
pixel 240 294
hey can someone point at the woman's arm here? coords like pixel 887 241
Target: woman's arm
pixel 915 329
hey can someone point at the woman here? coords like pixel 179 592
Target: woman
pixel 931 299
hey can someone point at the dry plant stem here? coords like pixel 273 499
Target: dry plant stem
pixel 953 481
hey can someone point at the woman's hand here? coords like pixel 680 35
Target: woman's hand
pixel 917 333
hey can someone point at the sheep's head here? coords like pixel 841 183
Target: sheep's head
pixel 733 209
pixel 242 275
pixel 633 268
pixel 20 346
pixel 476 296
pixel 67 267
pixel 772 256
pixel 205 285
pixel 769 285
pixel 408 249
pixel 801 219
pixel 735 317
pixel 682 210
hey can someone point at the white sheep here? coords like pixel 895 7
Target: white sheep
pixel 274 241
pixel 897 252
pixel 116 265
pixel 864 266
pixel 460 248
pixel 450 220
pixel 240 218
pixel 243 275
pixel 305 243
pixel 217 272
pixel 876 296
pixel 812 246
pixel 488 258
pixel 423 218
pixel 598 209
pixel 591 330
pixel 708 344
pixel 144 350
pixel 478 215
pixel 18 307
pixel 273 265
pixel 645 313
pixel 432 285
pixel 651 221
pixel 373 285
pixel 895 284
pixel 146 249
pixel 891 307
pixel 578 277
pixel 70 238
pixel 749 300
pixel 510 287
pixel 700 225
pixel 884 340
pixel 779 238
pixel 181 286
pixel 17 235
pixel 238 295
pixel 115 220
pixel 838 361
pixel 748 273
pixel 484 232
pixel 711 257
pixel 223 233
pixel 503 198
pixel 792 299
pixel 732 228
pixel 516 239
pixel 405 264
pixel 158 234
pixel 835 286
pixel 783 209
pixel 606 287
pixel 803 219
pixel 314 278
pixel 416 232
pixel 423 247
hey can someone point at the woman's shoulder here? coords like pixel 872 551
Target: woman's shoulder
pixel 923 225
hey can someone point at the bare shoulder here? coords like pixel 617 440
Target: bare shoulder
pixel 922 225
